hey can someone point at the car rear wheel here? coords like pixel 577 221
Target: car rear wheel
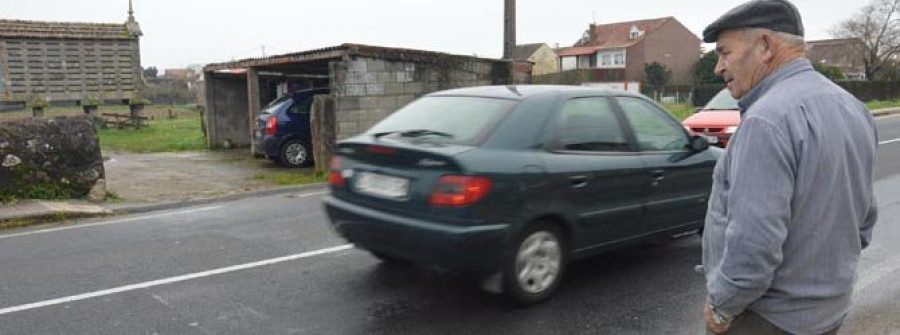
pixel 535 268
pixel 295 153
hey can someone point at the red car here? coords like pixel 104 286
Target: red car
pixel 717 121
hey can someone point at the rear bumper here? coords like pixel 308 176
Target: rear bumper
pixel 474 249
pixel 266 145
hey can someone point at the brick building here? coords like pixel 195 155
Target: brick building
pixel 618 51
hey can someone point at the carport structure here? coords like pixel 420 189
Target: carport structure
pixel 367 84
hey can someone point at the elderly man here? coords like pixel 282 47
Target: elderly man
pixel 792 204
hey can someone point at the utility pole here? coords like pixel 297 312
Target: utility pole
pixel 509 28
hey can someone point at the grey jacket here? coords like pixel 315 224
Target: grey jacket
pixel 792 203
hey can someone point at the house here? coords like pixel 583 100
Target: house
pixel 619 51
pixel 68 61
pixel 180 74
pixel 541 55
pixel 845 54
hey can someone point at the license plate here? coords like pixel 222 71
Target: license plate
pixel 381 185
pixel 712 139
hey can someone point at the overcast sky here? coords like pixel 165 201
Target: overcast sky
pixel 182 32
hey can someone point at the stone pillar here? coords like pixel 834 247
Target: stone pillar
pixel 253 105
pixel 209 118
pixel 324 131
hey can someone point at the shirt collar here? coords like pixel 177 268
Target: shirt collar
pixel 783 72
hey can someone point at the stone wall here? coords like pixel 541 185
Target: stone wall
pixel 367 90
pixel 49 158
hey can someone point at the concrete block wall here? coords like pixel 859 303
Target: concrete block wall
pixel 227 114
pixel 367 90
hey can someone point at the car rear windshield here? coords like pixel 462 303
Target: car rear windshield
pixel 461 120
pixel 276 105
pixel 722 101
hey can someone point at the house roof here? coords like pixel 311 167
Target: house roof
pixel 846 52
pixel 525 51
pixel 577 51
pixel 613 36
pixel 67 30
pixel 337 52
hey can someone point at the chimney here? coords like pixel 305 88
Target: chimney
pixel 509 28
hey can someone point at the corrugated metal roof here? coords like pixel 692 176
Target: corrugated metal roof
pixel 347 49
pixel 64 30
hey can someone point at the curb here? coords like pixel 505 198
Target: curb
pixel 120 209
pixel 143 208
pixel 886 111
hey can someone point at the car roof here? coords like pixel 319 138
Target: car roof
pixel 520 92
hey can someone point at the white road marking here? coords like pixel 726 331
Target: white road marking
pixel 303 195
pixel 889 141
pixel 104 223
pixel 170 280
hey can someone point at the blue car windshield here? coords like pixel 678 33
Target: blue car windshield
pixel 276 105
pixel 462 120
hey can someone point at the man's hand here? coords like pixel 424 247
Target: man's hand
pixel 711 323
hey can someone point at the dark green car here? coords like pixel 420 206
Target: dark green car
pixel 512 182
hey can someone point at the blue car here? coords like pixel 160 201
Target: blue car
pixel 510 183
pixel 283 133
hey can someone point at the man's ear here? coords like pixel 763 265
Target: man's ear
pixel 768 46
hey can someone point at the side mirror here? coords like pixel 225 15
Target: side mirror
pixel 699 143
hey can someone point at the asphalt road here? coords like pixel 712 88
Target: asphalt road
pixel 271 266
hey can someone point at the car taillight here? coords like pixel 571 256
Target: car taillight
pixel 377 149
pixel 459 190
pixel 272 125
pixel 335 177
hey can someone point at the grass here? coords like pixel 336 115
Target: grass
pixel 293 177
pixel 164 135
pixel 879 104
pixel 680 111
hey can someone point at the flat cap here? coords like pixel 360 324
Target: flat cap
pixel 775 15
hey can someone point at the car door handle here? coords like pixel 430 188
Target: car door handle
pixel 578 181
pixel 658 174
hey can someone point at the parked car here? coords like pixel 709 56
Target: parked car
pixel 518 180
pixel 718 120
pixel 283 133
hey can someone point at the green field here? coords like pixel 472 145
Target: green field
pixel 162 135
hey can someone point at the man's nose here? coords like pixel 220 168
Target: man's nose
pixel 720 68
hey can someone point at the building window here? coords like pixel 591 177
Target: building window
pixel 634 33
pixel 569 63
pixel 611 59
pixel 584 62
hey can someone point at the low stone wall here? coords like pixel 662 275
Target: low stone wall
pixel 49 158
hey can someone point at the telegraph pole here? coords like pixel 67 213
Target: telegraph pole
pixel 509 28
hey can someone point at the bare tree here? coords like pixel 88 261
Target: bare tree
pixel 878 26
